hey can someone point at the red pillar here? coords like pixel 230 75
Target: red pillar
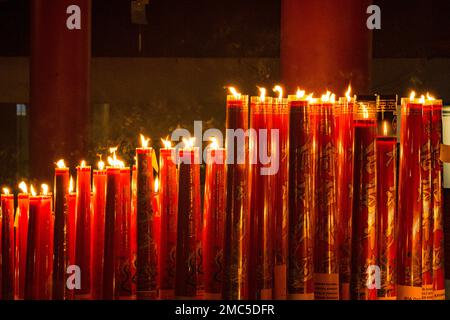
pixel 59 85
pixel 325 45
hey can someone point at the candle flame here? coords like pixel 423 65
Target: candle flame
pixel 156 187
pixel 33 192
pixel 189 143
pixel 83 164
pixel 300 93
pixel 430 97
pixel 347 94
pixel 385 129
pixel 166 142
pixel 214 143
pixel 101 165
pixel 234 92
pixel 365 112
pixel 412 95
pixel 5 191
pixel 113 161
pixel 144 141
pixel 71 184
pixel 44 189
pixel 422 99
pixel 262 93
pixel 60 164
pixel 278 89
pixel 309 97
pixel 23 187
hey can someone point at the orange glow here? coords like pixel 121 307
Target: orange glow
pixel 101 165
pixel 23 187
pixel 328 97
pixel 300 93
pixel 234 92
pixel 214 143
pixel 430 97
pixel 5 191
pixel 156 187
pixel 347 94
pixel 60 164
pixel 83 164
pixel 422 99
pixel 166 142
pixel 44 189
pixel 262 94
pixel 33 192
pixel 278 89
pixel 144 141
pixel 385 129
pixel 412 95
pixel 189 143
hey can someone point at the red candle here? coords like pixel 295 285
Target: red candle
pixel 71 224
pixel 188 213
pixel 61 240
pixel 427 214
pixel 261 255
pixel 410 205
pixel 326 268
pixel 387 211
pixel 437 209
pixel 345 150
pixel 21 239
pixel 300 280
pixel 147 259
pixel 364 242
pixel 98 230
pixel 44 256
pixel 236 238
pixel 7 245
pixel 113 206
pixel 213 220
pixel 83 230
pixel 280 155
pixel 133 229
pixel 169 205
pixel 156 204
pixel 31 277
pixel 122 242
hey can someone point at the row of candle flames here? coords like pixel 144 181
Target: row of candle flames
pixel 114 162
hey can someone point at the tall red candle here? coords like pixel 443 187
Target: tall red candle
pixel 186 275
pixel 147 259
pixel 7 246
pixel 410 205
pixel 31 277
pixel 168 206
pixel 437 203
pixel 345 150
pixel 280 154
pixel 387 211
pixel 61 240
pixel 156 205
pixel 326 268
pixel 122 243
pixel 83 229
pixel 365 240
pixel 427 214
pixel 44 257
pixel 300 275
pixel 23 200
pixel 98 230
pixel 133 228
pixel 112 207
pixel 236 238
pixel 71 224
pixel 262 215
pixel 213 220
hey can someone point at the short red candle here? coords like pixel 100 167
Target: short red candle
pixel 7 246
pixel 213 222
pixel 169 205
pixel 345 150
pixel 300 276
pixel 410 205
pixel 113 206
pixel 21 242
pixel 61 240
pixel 188 213
pixel 98 232
pixel 262 202
pixel 122 242
pixel 237 231
pixel 83 229
pixel 146 264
